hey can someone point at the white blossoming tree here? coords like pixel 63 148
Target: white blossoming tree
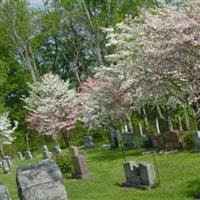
pixel 111 99
pixel 52 105
pixel 152 60
pixel 169 55
pixel 6 131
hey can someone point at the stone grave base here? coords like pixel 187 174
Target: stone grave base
pixel 81 176
pixel 140 187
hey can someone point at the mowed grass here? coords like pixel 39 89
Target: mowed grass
pixel 179 174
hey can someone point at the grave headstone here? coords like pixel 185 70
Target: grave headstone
pixel 40 181
pixel 4 195
pixel 80 169
pixel 196 137
pixel 115 138
pixel 46 155
pixel 5 166
pixel 147 174
pixel 145 139
pixel 44 148
pixel 158 142
pixel 140 175
pixel 9 161
pixel 28 155
pixel 128 140
pixel 20 156
pixel 88 142
pixel 132 174
pixel 56 150
pixel 176 140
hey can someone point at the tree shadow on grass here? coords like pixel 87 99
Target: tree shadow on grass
pixel 193 189
pixel 116 154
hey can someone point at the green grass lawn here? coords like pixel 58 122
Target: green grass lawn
pixel 179 173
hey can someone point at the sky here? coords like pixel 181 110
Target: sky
pixel 36 3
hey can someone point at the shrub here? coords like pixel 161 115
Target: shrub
pixel 63 161
pixel 147 143
pixel 189 141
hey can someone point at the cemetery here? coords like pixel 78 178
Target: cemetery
pixel 99 100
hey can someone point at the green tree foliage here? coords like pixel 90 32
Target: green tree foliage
pixel 64 37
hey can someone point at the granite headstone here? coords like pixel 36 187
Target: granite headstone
pixel 88 142
pixel 176 140
pixel 141 175
pixel 41 181
pixel 158 142
pixel 80 169
pixel 115 138
pixel 4 195
pixel 28 155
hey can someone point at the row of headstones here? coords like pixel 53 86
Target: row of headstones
pixel 128 140
pixel 175 139
pixel 114 138
pixel 46 153
pixel 6 163
pixel 44 180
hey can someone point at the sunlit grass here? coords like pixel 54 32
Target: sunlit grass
pixel 179 173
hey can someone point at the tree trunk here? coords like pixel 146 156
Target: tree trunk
pixel 2 151
pixel 157 126
pixel 180 124
pixel 187 120
pixel 141 131
pixel 129 124
pixel 27 142
pixel 169 120
pixel 145 117
pixel 66 139
pixel 96 34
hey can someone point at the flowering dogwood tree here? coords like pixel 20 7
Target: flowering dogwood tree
pixel 169 54
pixel 52 105
pixel 6 131
pixel 110 97
pixel 154 59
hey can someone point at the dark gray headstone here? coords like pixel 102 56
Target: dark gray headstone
pixel 140 175
pixel 115 138
pixel 131 170
pixel 28 155
pixel 128 140
pixel 147 174
pixel 80 169
pixel 88 142
pixel 4 195
pixel 41 181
